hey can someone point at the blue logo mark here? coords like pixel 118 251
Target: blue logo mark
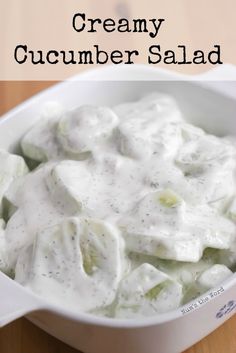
pixel 226 309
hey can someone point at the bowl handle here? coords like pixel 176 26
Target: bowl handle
pixel 221 78
pixel 15 301
pixel 225 72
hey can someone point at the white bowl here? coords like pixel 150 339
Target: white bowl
pixel 212 107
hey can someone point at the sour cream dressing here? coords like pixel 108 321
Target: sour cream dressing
pixel 120 214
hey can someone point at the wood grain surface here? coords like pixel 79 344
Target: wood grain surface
pixel 23 337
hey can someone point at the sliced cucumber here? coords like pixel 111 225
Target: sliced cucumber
pixel 163 225
pixel 40 143
pixel 147 291
pixel 62 181
pixel 83 129
pixel 77 263
pixel 213 276
pixel 3 250
pixel 11 168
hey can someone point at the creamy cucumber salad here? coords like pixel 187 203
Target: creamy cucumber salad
pixel 124 212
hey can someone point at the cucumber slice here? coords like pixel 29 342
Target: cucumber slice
pixel 4 262
pixel 40 143
pixel 231 212
pixel 228 257
pixel 147 291
pixel 141 139
pixel 83 129
pixel 205 151
pixel 163 225
pixel 60 187
pixel 78 263
pixel 34 210
pixel 11 167
pixel 208 164
pixel 10 200
pixel 213 276
pixel 163 107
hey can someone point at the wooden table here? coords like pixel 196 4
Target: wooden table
pixel 22 336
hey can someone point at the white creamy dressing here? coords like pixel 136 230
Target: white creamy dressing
pixel 116 218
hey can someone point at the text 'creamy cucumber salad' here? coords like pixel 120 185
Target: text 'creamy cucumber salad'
pixel 130 211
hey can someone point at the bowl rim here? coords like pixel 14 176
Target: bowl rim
pixel 139 322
